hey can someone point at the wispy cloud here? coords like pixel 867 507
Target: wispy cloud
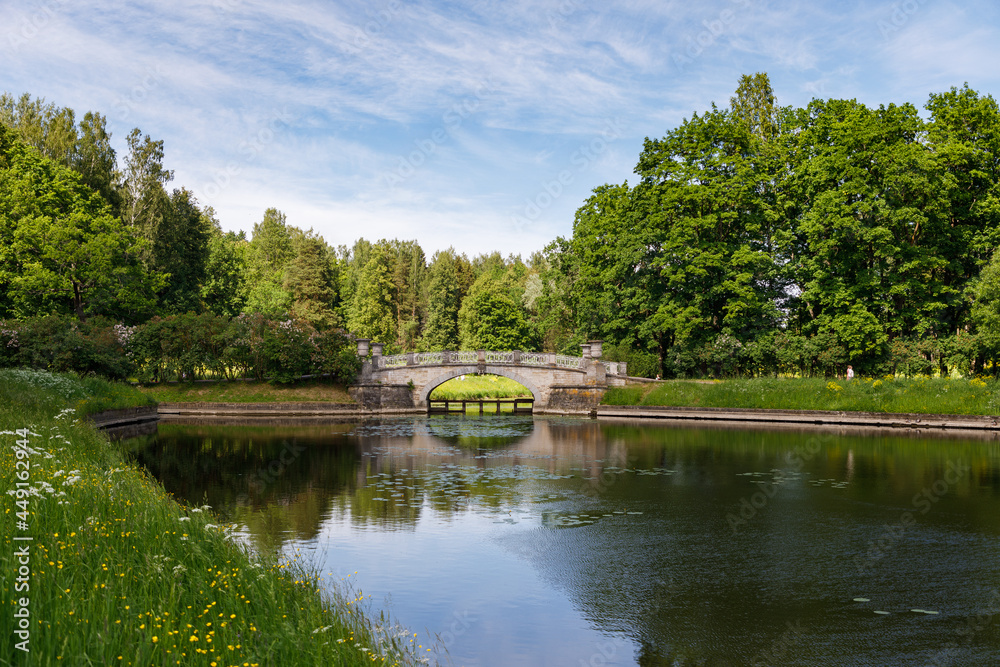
pixel 364 89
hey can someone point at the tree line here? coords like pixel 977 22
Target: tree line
pixel 764 239
pixel 758 239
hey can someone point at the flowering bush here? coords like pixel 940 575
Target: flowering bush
pixel 62 344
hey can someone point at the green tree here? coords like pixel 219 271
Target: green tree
pixel 144 199
pixel 409 288
pixel 441 330
pixel 964 137
pixel 95 159
pixel 985 311
pixel 372 313
pixel 61 250
pixel 874 213
pixel 492 317
pixel 181 251
pixel 311 280
pixel 50 129
pixel 269 253
pixel 224 289
pixel 756 107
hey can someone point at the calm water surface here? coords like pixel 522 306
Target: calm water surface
pixel 513 541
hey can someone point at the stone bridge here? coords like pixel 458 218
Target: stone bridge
pixel 557 382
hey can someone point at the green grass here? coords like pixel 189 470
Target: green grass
pixel 56 391
pixel 892 395
pixel 479 386
pixel 122 574
pixel 248 391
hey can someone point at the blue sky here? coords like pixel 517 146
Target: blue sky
pixel 481 125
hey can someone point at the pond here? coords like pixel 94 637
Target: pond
pixel 546 541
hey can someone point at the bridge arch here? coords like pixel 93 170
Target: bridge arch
pixel 434 383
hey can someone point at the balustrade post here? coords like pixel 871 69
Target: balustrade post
pixel 552 358
pixel 409 358
pixel 481 358
pixel 446 357
pixel 517 356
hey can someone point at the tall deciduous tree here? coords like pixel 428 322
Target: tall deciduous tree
pixel 224 290
pixel 756 107
pixel 492 315
pixel 95 159
pixel 144 198
pixel 874 214
pixel 61 250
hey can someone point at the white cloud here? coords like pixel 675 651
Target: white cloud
pixel 364 83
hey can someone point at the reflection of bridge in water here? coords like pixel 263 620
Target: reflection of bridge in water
pixel 557 382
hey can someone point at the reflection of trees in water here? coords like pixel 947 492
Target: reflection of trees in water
pixel 674 579
pixel 277 482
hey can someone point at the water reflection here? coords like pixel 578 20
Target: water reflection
pixel 563 541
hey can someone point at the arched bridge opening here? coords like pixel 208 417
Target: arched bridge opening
pixel 467 392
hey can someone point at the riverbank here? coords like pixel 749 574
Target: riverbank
pixel 112 570
pixel 899 396
pixel 248 391
pixel 742 417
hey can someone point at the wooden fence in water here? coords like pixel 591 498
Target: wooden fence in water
pixel 519 406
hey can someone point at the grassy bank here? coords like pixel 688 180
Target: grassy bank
pixel 922 395
pixel 120 573
pixel 470 387
pixel 249 391
pixel 47 392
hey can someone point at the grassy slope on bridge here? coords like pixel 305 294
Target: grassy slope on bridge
pixel 888 395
